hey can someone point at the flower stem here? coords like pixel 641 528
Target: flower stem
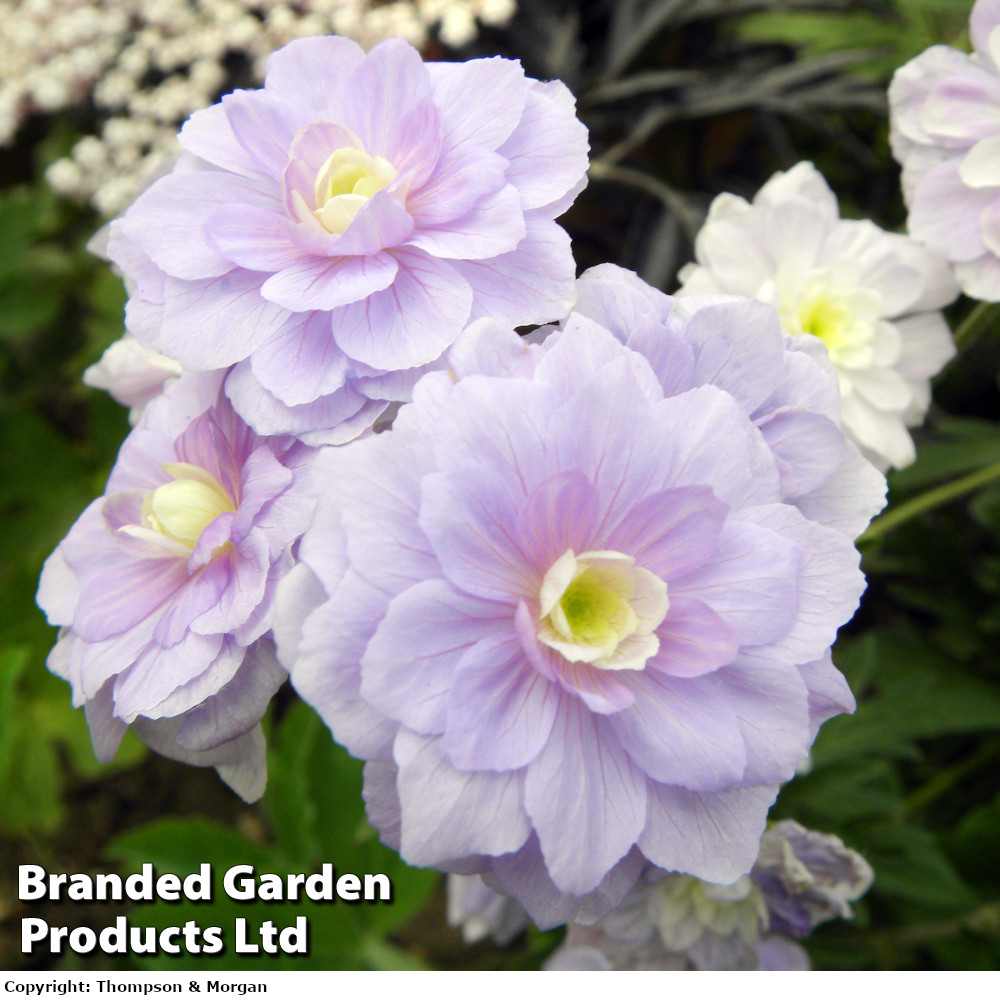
pixel 975 323
pixel 893 518
pixel 984 920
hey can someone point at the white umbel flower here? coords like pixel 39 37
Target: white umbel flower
pixel 872 297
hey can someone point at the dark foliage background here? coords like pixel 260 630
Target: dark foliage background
pixel 684 99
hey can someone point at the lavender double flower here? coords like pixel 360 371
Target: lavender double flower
pixel 164 588
pixel 575 609
pixel 331 234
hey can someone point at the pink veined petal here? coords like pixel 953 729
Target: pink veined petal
pixel 381 89
pixel 410 664
pixel 459 89
pixel 411 322
pixel 694 640
pixel 123 593
pixel 830 582
pixel 200 593
pixel 751 580
pixel 670 532
pixel 415 150
pixel 586 799
pixel 581 347
pixel 169 221
pixel 214 679
pixel 602 691
pixel 810 448
pixel 209 135
pixel 720 448
pixel 771 704
pixel 548 149
pixel 678 732
pixel 106 731
pixel 829 693
pixel 159 671
pixel 237 708
pixel 962 107
pixel 335 633
pixel 711 836
pixel 494 226
pixel 524 876
pixel 341 416
pixel 382 223
pixel 251 237
pixel 314 73
pixel 326 284
pixel 532 284
pixel 738 346
pixel 302 362
pixel 460 180
pixel 500 711
pixel 470 517
pixel 263 479
pixel 559 514
pixel 214 323
pixel 449 814
pixel 263 125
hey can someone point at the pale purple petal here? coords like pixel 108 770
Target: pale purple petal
pixel 586 798
pixel 709 836
pixel 472 813
pixel 411 322
pixel 500 710
pixel 678 734
pixel 409 666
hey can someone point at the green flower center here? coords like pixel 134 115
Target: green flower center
pixel 599 608
pixel 596 608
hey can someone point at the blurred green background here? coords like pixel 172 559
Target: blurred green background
pixel 684 100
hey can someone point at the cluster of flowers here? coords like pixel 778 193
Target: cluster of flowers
pixel 148 65
pixel 676 922
pixel 570 596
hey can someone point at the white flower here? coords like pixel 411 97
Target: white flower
pixel 872 297
pixel 133 374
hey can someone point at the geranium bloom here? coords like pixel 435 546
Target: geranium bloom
pixel 562 607
pixel 800 879
pixel 871 296
pixel 944 117
pixel 165 586
pixel 332 233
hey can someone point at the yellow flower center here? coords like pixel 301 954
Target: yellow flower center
pixel 829 304
pixel 599 608
pixel 595 608
pixel 345 182
pixel 823 315
pixel 183 508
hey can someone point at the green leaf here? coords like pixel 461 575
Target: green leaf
pixel 963 445
pixel 918 695
pixel 317 812
pixel 910 866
